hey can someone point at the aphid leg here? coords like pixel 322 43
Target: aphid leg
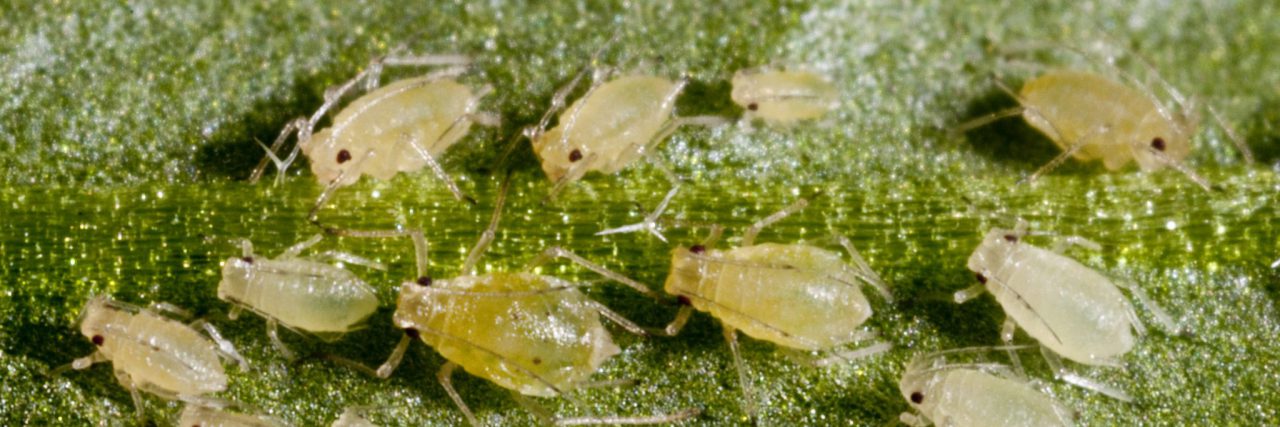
pixel 1065 242
pixel 1007 330
pixel 964 295
pixel 1066 154
pixel 273 333
pixel 420 247
pixel 293 251
pixel 173 310
pixel 79 364
pixel 235 311
pixel 865 272
pixel 575 172
pixel 445 377
pixel 1275 264
pixel 1162 317
pixel 912 420
pixel 652 419
pixel 843 356
pixel 682 317
pixel 749 236
pixel 1179 166
pixel 559 252
pixel 351 258
pixel 613 316
pixel 714 236
pixel 987 119
pixel 425 60
pixel 490 232
pixel 1233 136
pixel 1061 372
pixel 650 222
pixel 397 355
pixel 225 347
pixel 744 379
pixel 246 247
pixel 133 394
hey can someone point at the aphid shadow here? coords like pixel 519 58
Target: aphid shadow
pixel 1262 132
pixel 1009 140
pixel 974 323
pixel 230 151
pixel 708 98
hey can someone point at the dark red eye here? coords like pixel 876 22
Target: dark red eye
pixel 1158 144
pixel 917 397
pixel 412 333
pixel 344 156
pixel 423 281
pixel 981 279
pixel 753 106
pixel 247 260
pixel 97 340
pixel 1011 238
pixel 575 155
pixel 697 249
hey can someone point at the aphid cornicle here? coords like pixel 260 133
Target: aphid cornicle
pixel 783 97
pixel 532 334
pixel 201 416
pixel 1072 310
pixel 153 353
pixel 794 295
pixel 974 394
pixel 299 293
pixel 400 127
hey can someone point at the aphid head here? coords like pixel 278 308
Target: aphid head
pixel 94 318
pixel 994 250
pixel 687 268
pixel 918 380
pixel 236 272
pixel 1162 139
pixel 332 158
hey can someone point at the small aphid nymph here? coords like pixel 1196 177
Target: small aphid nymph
pixel 201 416
pixel 974 394
pixel 783 97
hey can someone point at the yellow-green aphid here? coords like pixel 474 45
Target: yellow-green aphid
pixel 299 293
pixel 610 127
pixel 1092 117
pixel 783 97
pixel 400 127
pixel 201 416
pixel 152 353
pixel 532 334
pixel 1072 310
pixel 974 395
pixel 794 295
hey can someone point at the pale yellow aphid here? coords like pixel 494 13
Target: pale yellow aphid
pixel 1072 310
pixel 794 295
pixel 153 353
pixel 200 416
pixel 1092 117
pixel 400 127
pixel 532 334
pixel 299 293
pixel 783 97
pixel 975 395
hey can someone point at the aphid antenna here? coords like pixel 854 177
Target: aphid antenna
pixel 490 232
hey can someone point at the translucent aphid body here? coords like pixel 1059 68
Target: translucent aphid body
pixel 536 335
pixel 1112 122
pixel 609 128
pixel 969 395
pixel 794 295
pixel 388 126
pixel 783 97
pixel 200 416
pixel 1072 310
pixel 152 352
pixel 299 293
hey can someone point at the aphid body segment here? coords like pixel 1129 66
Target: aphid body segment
pixel 971 395
pixel 1068 307
pixel 609 127
pixel 1110 121
pixel 200 416
pixel 300 293
pixel 150 352
pixel 536 335
pixel 783 97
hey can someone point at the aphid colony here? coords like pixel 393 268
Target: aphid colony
pixel 540 336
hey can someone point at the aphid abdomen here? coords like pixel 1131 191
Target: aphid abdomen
pixel 199 416
pixel 791 295
pixel 783 96
pixel 165 353
pixel 386 121
pixel 966 397
pixel 1070 308
pixel 307 295
pixel 1070 107
pixel 607 126
pixel 538 344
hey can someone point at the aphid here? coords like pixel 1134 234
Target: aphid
pixel 975 394
pixel 201 416
pixel 299 293
pixel 1071 309
pixel 1092 117
pixel 794 295
pixel 532 334
pixel 608 128
pixel 783 97
pixel 400 127
pixel 153 353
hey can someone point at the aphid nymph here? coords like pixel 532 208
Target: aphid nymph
pixel 783 97
pixel 974 394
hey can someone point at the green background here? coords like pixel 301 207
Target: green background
pixel 127 131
